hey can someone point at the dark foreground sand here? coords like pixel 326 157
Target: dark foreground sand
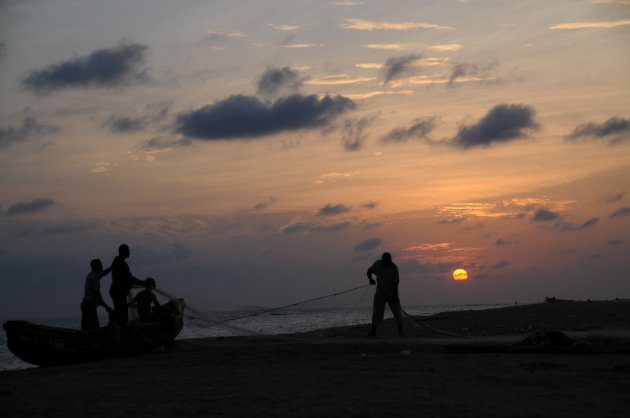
pixel 340 373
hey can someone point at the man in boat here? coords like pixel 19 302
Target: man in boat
pixel 387 280
pixel 144 299
pixel 92 297
pixel 122 282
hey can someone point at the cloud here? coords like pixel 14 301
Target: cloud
pixel 302 227
pixel 331 209
pixel 440 246
pixel 502 264
pixel 337 80
pixel 503 123
pixel 438 79
pixel 161 144
pixel 615 130
pixel 466 71
pixel 502 241
pixel 411 46
pixel 265 205
pixel 123 124
pixel 615 197
pixel 297 46
pixel 570 226
pixel 129 124
pixel 368 244
pixel 331 228
pixel 419 129
pixel 620 212
pixel 588 224
pixel 591 25
pixel 293 228
pixel 102 167
pixel 333 176
pixel 370 205
pixel 396 67
pixel 247 117
pixel 223 35
pixel 450 221
pixel 614 242
pixel 369 94
pixel 112 67
pixel 30 128
pixel 354 133
pixel 544 215
pixel 429 269
pixel 370 25
pixel 277 80
pixel 284 28
pixel 35 205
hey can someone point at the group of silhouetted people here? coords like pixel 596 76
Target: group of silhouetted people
pixel 122 283
pixel 386 282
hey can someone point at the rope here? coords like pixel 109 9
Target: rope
pixel 429 327
pixel 295 304
pixel 241 330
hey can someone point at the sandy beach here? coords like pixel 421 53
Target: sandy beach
pixel 338 372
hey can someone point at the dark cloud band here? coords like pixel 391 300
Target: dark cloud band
pixel 503 123
pixel 419 129
pixel 109 67
pixel 615 130
pixel 331 209
pixel 30 128
pixel 248 117
pixel 36 205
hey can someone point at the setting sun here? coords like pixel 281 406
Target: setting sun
pixel 460 274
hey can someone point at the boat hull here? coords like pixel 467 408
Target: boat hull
pixel 47 346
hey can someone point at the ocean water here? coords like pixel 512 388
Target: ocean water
pixel 252 321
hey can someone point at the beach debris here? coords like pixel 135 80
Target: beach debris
pixel 548 339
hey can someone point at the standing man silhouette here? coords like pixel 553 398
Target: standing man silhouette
pixel 122 282
pixel 92 296
pixel 387 280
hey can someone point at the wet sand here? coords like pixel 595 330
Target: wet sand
pixel 339 372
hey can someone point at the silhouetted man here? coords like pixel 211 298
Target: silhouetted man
pixel 386 292
pixel 92 297
pixel 122 282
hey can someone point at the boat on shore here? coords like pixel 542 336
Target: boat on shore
pixel 45 345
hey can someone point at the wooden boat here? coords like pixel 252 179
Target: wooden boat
pixel 47 346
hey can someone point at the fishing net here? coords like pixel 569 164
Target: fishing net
pixel 346 307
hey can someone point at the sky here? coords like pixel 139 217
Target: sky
pixel 266 152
